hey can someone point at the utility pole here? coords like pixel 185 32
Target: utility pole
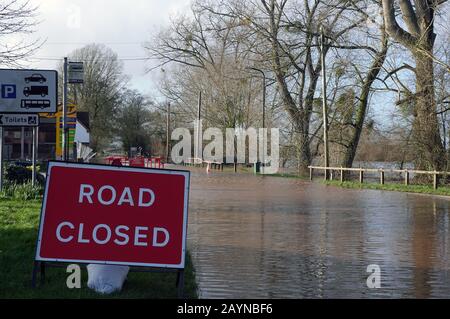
pixel 324 103
pixel 64 132
pixel 168 133
pixel 264 85
pixel 199 116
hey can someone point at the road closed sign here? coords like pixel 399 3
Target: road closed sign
pixel 114 215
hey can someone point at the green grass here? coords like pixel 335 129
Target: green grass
pixel 18 232
pixel 422 189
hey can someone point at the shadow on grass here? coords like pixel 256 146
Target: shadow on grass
pixel 18 233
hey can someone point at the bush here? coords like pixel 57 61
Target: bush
pixel 22 191
pixel 19 174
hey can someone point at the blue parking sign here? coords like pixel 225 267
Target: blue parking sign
pixel 8 91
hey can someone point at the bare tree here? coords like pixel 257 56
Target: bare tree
pixel 419 38
pixel 16 17
pixel 206 50
pixel 101 93
pixel 376 58
pixel 288 43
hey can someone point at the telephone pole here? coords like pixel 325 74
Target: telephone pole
pixel 168 134
pixel 64 110
pixel 199 147
pixel 324 103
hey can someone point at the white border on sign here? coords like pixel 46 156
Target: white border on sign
pixel 116 168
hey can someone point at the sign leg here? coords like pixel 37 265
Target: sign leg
pixel 180 284
pixel 42 266
pixel 34 275
pixel 33 177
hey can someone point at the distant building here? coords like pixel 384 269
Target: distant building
pixel 18 141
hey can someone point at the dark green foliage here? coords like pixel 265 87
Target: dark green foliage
pixel 21 174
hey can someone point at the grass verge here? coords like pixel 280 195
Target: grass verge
pixel 18 232
pixel 420 189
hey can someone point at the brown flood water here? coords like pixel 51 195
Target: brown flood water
pixel 268 237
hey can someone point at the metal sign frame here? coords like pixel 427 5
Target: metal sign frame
pixel 41 263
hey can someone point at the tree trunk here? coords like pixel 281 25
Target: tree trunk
pixel 425 130
pixel 375 69
pixel 303 155
pixel 419 19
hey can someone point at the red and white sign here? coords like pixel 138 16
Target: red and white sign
pixel 114 215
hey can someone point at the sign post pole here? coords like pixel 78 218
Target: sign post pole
pixel 64 132
pixel 33 175
pixel 22 144
pixel 168 134
pixel 1 159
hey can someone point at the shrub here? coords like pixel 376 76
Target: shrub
pixel 19 174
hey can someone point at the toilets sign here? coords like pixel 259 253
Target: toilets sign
pixel 114 215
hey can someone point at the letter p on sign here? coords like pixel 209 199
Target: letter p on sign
pixel 8 91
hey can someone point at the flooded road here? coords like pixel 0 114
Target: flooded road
pixel 269 237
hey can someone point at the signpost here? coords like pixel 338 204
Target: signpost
pixel 23 120
pixel 71 122
pixel 73 73
pixel 23 94
pixel 76 72
pixel 28 91
pixel 114 215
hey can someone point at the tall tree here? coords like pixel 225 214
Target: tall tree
pixel 419 38
pixel 289 36
pixel 376 58
pixel 133 122
pixel 100 95
pixel 207 51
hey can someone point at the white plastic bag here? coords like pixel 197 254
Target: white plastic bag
pixel 106 279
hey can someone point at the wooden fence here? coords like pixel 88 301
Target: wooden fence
pixel 381 171
pixel 202 163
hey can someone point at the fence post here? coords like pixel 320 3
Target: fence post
pixel 311 173
pixel 361 175
pixel 331 174
pixel 406 177
pixel 342 175
pixel 435 183
pixel 382 177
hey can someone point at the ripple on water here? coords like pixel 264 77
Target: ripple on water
pixel 267 237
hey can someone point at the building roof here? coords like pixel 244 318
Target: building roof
pixel 83 119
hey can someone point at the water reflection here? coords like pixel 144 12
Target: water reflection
pixel 266 237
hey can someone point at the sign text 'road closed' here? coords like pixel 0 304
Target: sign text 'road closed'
pixel 114 215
